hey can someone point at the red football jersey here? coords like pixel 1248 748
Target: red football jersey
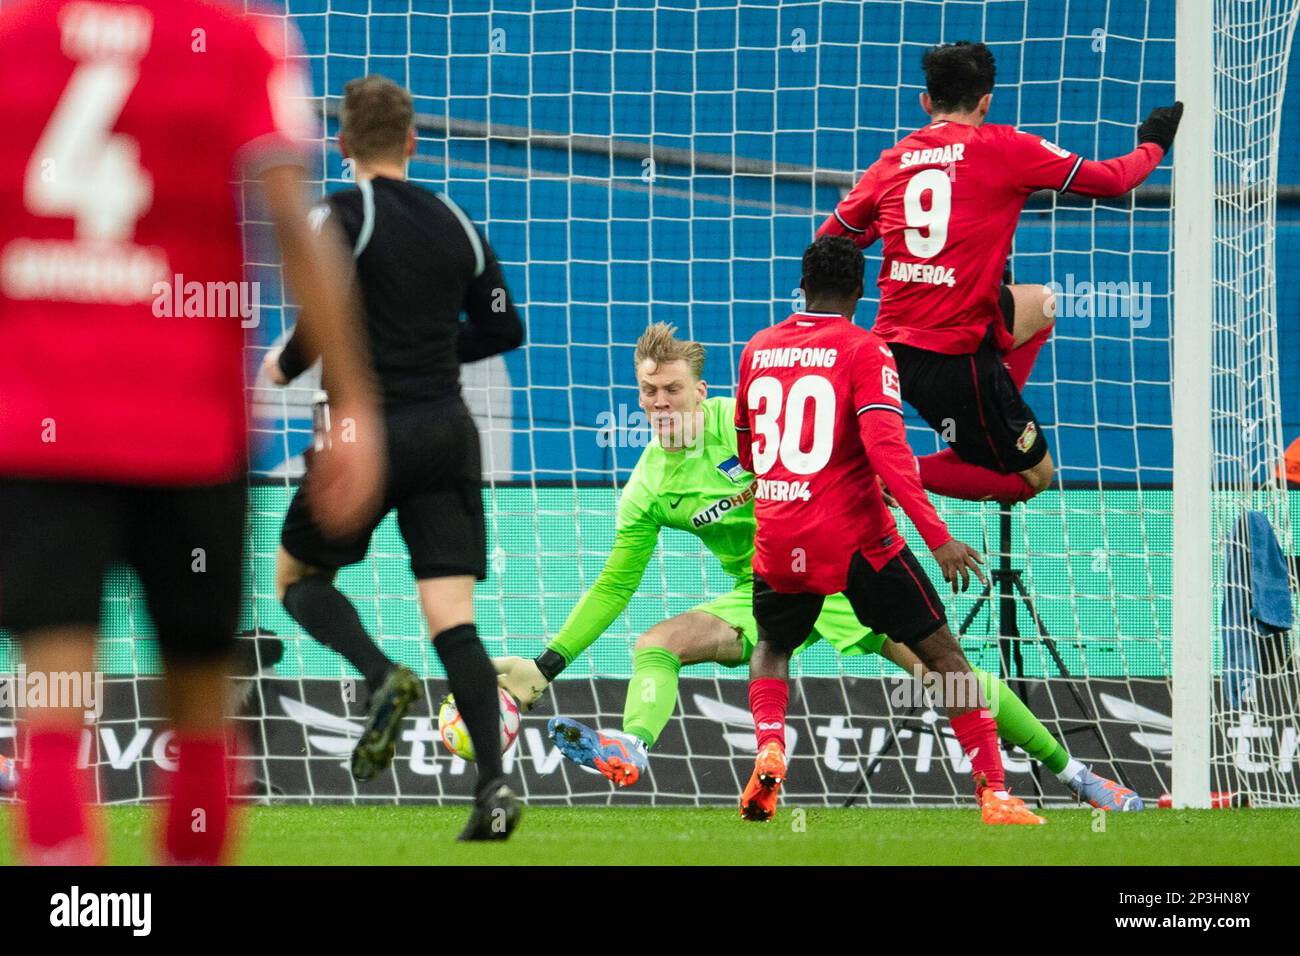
pixel 125 127
pixel 946 201
pixel 818 416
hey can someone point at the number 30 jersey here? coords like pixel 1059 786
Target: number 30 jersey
pixel 122 314
pixel 818 416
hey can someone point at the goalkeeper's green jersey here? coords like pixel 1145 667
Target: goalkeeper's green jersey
pixel 702 490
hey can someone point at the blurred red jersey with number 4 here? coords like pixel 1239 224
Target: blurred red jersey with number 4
pixel 126 126
pixel 818 416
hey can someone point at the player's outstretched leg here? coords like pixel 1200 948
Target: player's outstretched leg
pixel 388 705
pixel 1102 793
pixel 976 731
pixel 1018 726
pixel 621 757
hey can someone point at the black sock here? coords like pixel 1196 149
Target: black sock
pixel 473 682
pixel 330 618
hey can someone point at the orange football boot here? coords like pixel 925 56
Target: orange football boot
pixel 1006 809
pixel 758 802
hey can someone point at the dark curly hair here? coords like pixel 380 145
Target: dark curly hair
pixel 832 266
pixel 957 75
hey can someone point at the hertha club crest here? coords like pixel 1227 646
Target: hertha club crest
pixel 1027 438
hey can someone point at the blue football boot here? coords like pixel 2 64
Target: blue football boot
pixel 620 757
pixel 1102 793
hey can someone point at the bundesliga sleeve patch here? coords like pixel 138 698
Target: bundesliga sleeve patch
pixel 889 383
pixel 1051 147
pixel 732 468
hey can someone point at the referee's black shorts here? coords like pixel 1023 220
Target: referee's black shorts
pixel 57 538
pixel 435 482
pixel 972 402
pixel 898 601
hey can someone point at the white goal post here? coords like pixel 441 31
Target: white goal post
pixel 1193 617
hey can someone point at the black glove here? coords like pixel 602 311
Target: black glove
pixel 550 664
pixel 1161 126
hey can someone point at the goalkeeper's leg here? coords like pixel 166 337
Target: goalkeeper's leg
pixel 721 631
pixel 693 637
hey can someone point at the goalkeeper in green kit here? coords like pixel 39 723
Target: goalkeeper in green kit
pixel 690 479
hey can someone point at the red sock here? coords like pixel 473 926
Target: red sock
pixel 1020 360
pixel 768 699
pixel 198 813
pixel 54 820
pixel 946 474
pixel 978 734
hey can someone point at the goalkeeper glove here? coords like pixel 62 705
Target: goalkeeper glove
pixel 1161 126
pixel 522 679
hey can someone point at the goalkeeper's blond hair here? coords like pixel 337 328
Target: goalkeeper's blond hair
pixel 659 343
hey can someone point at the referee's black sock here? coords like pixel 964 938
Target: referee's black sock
pixel 473 682
pixel 330 618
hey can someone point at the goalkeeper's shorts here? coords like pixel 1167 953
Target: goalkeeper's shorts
pixel 185 543
pixel 435 483
pixel 837 624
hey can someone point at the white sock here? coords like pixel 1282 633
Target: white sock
pixel 1071 771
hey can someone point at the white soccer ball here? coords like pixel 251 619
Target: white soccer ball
pixel 454 733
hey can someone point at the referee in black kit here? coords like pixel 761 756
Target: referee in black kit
pixel 420 263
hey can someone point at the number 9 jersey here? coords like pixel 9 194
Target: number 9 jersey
pixel 945 202
pixel 818 416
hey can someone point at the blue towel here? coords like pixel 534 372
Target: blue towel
pixel 1256 601
pixel 1270 588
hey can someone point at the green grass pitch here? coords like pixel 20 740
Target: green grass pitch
pixel 642 835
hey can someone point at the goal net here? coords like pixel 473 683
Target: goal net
pixel 653 160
